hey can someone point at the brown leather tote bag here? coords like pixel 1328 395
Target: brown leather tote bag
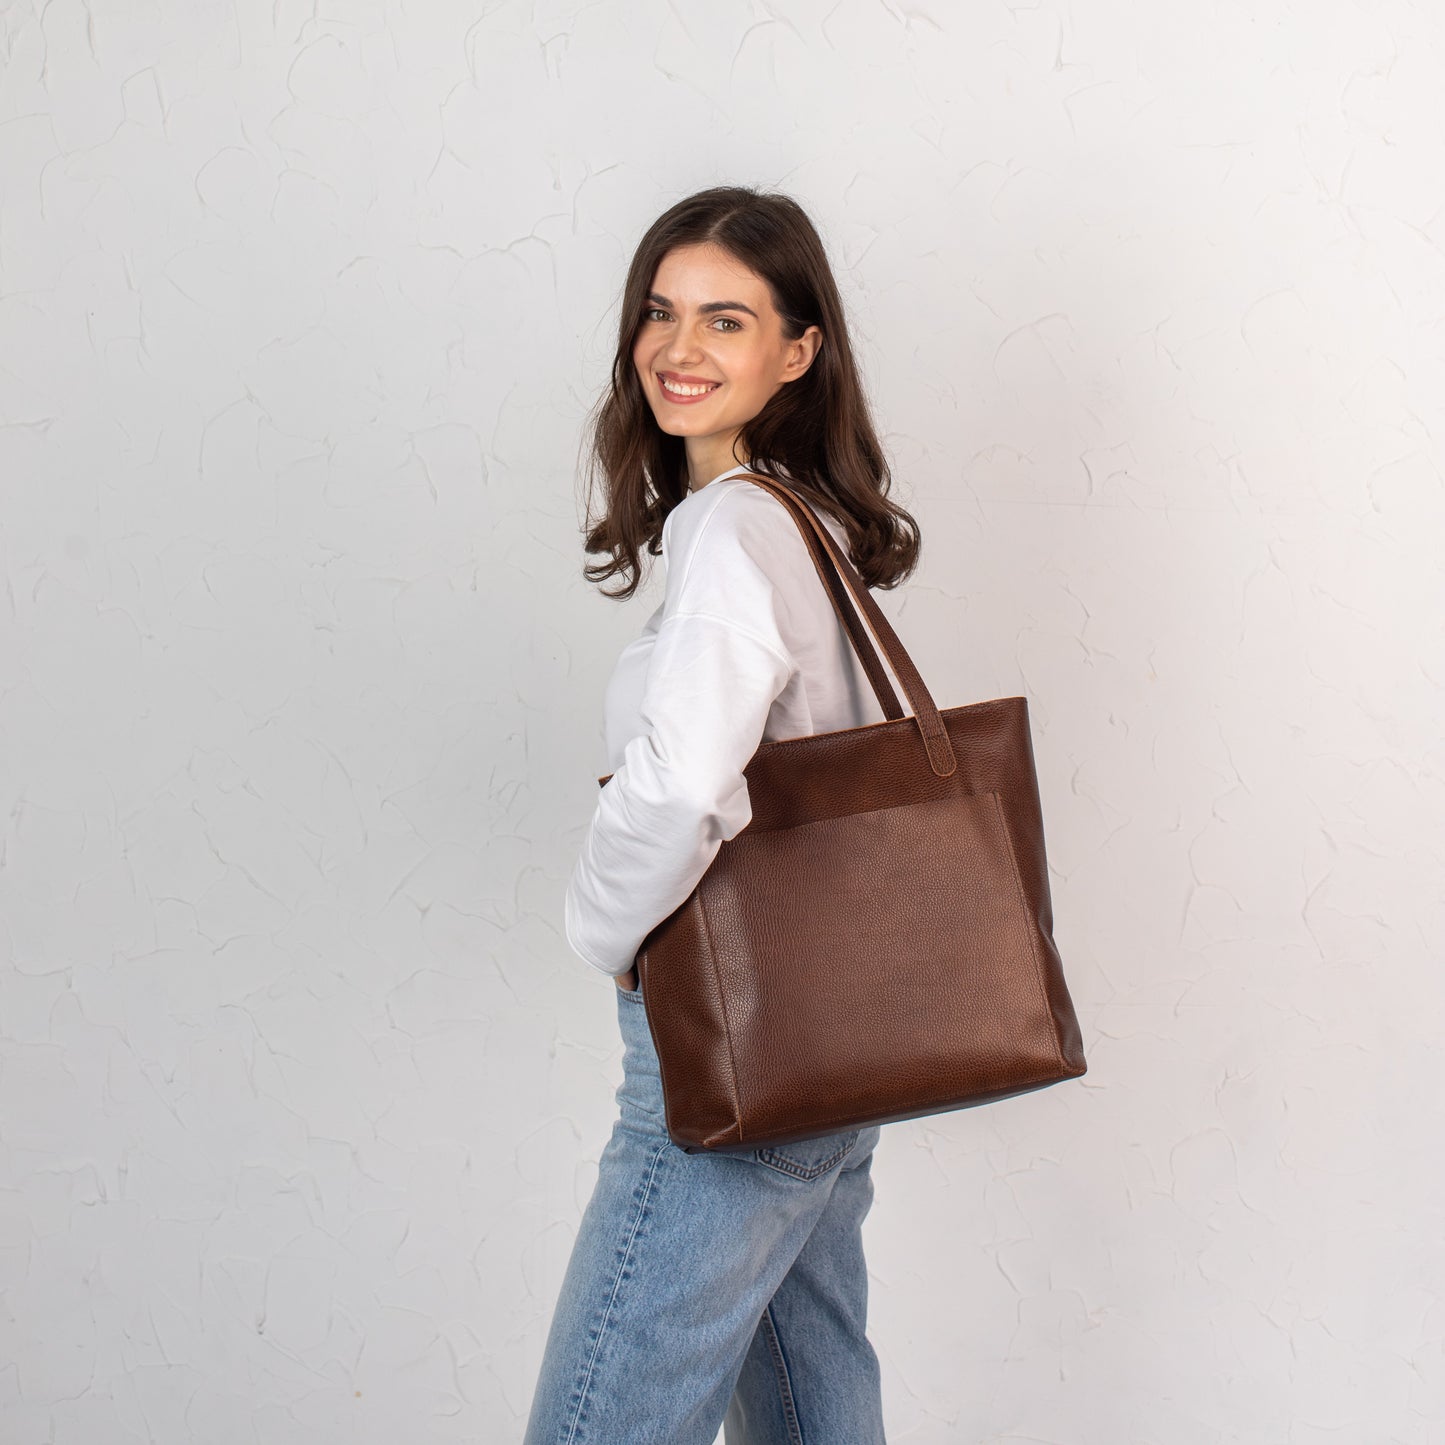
pixel 877 943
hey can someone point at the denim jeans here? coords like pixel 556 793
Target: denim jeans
pixel 709 1290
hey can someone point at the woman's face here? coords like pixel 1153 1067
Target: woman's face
pixel 710 352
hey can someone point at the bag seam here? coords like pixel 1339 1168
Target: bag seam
pixel 1033 942
pixel 727 1023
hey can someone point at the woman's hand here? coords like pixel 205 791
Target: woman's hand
pixel 628 981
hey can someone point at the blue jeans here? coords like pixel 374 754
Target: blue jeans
pixel 709 1290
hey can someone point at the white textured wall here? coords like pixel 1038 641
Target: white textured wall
pixel 301 307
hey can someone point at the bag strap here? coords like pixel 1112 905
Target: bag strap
pixel 837 572
pixel 857 632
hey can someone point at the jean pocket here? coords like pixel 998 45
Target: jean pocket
pixel 808 1158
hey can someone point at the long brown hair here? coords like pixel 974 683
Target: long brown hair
pixel 816 429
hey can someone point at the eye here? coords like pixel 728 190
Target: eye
pixel 727 320
pixel 653 311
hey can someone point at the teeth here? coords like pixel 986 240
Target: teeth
pixel 683 390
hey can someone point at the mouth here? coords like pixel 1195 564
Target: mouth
pixel 685 392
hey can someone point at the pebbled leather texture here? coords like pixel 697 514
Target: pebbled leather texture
pixel 877 943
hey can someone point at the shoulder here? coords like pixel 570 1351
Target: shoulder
pixel 733 549
pixel 732 517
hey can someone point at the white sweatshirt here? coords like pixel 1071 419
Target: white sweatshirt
pixel 744 647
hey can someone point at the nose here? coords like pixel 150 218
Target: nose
pixel 682 348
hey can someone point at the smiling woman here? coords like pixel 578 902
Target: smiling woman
pixel 709 366
pixel 706 1289
pixel 732 290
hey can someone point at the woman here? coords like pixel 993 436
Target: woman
pixel 707 1289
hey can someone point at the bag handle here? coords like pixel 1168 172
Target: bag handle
pixel 842 582
pixel 931 727
pixel 857 633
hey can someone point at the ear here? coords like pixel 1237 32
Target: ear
pixel 801 353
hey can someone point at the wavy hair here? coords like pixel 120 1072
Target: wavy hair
pixel 816 431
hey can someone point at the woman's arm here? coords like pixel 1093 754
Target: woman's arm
pixel 679 790
pixel 717 664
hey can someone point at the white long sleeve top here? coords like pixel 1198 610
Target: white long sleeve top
pixel 745 647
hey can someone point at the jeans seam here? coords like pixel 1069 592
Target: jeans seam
pixel 786 1166
pixel 584 1385
pixel 785 1382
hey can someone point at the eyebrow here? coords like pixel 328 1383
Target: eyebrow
pixel 707 307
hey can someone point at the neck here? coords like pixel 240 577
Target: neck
pixel 709 457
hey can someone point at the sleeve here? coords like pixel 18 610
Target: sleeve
pixel 718 663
